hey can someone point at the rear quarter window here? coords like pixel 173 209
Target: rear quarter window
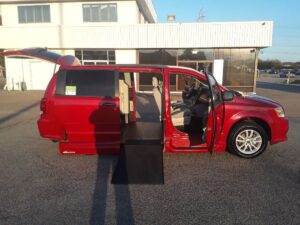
pixel 87 83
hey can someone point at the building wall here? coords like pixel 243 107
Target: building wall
pixel 35 74
pixel 70 13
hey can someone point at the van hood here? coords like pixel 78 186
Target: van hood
pixel 43 54
pixel 262 100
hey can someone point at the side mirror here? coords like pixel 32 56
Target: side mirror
pixel 227 96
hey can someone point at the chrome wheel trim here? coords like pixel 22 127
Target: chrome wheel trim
pixel 248 141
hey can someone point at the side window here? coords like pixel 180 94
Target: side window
pixel 185 88
pixel 87 83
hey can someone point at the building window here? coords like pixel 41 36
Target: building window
pixel 238 72
pixel 100 13
pixel 96 57
pixel 34 14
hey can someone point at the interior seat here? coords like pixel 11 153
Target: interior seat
pixel 157 94
pixel 180 116
pixel 124 99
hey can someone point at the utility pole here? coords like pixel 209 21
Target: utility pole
pixel 201 17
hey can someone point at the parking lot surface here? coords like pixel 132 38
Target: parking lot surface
pixel 39 186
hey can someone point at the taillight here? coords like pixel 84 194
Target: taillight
pixel 43 105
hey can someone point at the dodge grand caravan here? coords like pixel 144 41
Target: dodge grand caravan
pixel 91 109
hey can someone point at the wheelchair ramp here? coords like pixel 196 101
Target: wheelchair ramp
pixel 140 162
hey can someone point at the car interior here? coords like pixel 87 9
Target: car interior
pixel 140 111
pixel 189 108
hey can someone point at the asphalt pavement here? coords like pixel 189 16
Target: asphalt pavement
pixel 39 186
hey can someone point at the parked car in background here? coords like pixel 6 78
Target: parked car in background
pixel 272 71
pixel 297 72
pixel 284 73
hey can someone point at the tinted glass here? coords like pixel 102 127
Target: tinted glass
pixel 22 16
pixel 239 67
pixel 46 13
pixel 99 12
pixel 86 13
pixel 90 83
pixel 169 57
pixel 112 55
pixel 148 57
pixel 195 54
pixel 95 13
pixel 38 14
pixel 96 57
pixel 78 54
pixel 29 14
pixel 34 14
pixel 113 13
pixel 104 12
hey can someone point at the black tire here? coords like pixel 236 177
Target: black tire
pixel 251 147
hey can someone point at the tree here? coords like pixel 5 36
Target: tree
pixel 269 64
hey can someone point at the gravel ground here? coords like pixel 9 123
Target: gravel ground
pixel 39 186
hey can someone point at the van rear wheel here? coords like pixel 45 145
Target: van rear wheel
pixel 247 139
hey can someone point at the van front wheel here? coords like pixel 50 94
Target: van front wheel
pixel 247 139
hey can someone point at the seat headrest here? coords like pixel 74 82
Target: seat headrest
pixel 155 82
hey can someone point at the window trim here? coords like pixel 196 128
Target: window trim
pixel 99 19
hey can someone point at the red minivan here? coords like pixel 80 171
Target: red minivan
pixel 96 109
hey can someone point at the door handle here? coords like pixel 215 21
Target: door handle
pixel 111 104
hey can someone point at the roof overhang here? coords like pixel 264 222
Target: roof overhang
pixel 256 34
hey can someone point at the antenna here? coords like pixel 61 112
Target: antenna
pixel 201 17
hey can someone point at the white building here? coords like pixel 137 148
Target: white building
pixel 101 32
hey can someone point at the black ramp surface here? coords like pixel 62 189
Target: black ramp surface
pixel 140 162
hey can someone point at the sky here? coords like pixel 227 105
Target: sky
pixel 284 13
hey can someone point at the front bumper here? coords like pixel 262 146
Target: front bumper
pixel 279 131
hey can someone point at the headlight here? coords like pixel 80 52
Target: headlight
pixel 280 112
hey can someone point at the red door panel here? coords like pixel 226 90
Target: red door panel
pixel 94 119
pixel 176 140
pixel 215 118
